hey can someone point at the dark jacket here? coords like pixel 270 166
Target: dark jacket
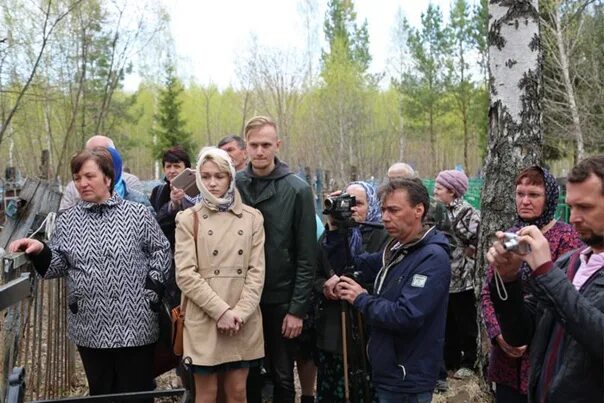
pixel 166 218
pixel 579 371
pixel 160 200
pixel 327 312
pixel 407 312
pixel 286 202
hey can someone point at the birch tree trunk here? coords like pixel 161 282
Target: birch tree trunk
pixel 515 127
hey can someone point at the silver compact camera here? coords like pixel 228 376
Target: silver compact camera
pixel 511 243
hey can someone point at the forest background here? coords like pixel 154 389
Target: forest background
pixel 63 64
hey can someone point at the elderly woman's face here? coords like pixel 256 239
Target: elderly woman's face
pixel 443 195
pixel 530 200
pixel 216 181
pixel 91 183
pixel 359 211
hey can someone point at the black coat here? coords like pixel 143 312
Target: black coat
pixel 555 301
pixel 160 199
pixel 327 312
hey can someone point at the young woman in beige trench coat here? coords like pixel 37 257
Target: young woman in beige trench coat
pixel 222 278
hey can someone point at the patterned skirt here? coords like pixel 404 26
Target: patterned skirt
pixel 330 381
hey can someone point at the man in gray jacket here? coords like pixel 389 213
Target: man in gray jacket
pixel 563 320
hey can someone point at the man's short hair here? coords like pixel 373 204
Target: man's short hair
pixel 416 191
pixel 258 122
pixel 590 165
pixel 175 155
pixel 400 170
pixel 230 138
pixel 101 156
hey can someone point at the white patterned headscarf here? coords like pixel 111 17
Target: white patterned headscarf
pixel 211 201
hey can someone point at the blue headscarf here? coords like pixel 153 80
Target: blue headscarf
pixel 119 186
pixel 374 215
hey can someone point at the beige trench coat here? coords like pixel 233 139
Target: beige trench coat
pixel 228 272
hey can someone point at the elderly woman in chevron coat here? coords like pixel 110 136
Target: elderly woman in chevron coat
pixel 219 255
pixel 108 248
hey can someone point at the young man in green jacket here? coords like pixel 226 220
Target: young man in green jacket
pixel 286 202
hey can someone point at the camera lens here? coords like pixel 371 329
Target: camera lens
pixel 510 244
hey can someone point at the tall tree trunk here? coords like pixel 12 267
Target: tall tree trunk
pixel 568 86
pixel 515 133
pixel 435 159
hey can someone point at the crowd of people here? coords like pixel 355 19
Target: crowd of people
pixel 378 304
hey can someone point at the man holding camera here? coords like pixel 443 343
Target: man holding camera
pixel 563 319
pixel 286 203
pixel 407 309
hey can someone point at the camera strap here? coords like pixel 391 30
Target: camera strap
pixel 500 286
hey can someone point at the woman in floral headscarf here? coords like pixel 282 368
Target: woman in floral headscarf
pixel 362 238
pixel 536 202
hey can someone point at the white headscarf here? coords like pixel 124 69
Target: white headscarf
pixel 211 201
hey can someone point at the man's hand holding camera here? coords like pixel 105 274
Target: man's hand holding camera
pixel 348 290
pixel 507 260
pixel 540 251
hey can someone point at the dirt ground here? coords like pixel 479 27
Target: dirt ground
pixel 460 391
pixel 463 391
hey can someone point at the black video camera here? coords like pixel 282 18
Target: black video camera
pixel 340 207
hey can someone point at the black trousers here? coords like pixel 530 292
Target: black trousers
pixel 505 394
pixel 280 355
pixel 461 331
pixel 118 370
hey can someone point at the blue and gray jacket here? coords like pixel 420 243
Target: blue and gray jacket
pixel 406 312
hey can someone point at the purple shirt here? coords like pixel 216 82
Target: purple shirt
pixel 590 263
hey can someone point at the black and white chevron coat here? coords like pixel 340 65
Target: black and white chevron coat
pixel 106 250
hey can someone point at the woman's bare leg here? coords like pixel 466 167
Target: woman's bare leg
pixel 234 385
pixel 206 387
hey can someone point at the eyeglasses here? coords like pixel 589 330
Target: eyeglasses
pixel 531 196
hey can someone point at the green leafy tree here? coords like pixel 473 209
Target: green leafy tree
pixel 343 113
pixel 341 31
pixel 171 126
pixel 480 27
pixel 427 81
pixel 461 85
